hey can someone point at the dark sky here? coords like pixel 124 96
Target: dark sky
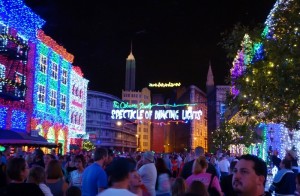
pixel 173 40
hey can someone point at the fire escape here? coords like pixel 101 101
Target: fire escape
pixel 14 52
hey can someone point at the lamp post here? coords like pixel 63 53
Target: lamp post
pixel 137 142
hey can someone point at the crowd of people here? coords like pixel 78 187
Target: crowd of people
pixel 103 172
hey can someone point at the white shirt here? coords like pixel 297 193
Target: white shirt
pixel 113 191
pixel 148 174
pixel 224 165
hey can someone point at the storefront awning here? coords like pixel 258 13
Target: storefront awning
pixel 9 137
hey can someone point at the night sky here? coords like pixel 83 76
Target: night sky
pixel 173 40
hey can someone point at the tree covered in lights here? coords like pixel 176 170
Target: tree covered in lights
pixel 266 71
pixel 88 145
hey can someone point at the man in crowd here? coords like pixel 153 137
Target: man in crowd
pixel 94 178
pixel 187 168
pixel 120 178
pixel 224 166
pixel 148 172
pixel 249 176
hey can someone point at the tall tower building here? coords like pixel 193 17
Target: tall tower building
pixel 210 85
pixel 130 72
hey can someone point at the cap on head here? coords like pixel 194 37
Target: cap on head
pixel 149 155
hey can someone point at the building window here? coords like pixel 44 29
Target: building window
pixel 54 71
pixel 53 98
pixel 145 137
pixel 145 130
pixel 64 76
pixel 41 93
pixel 145 143
pixel 63 102
pixel 43 63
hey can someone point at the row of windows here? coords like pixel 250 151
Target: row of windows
pixel 41 94
pixel 135 95
pixel 54 69
pixel 76 91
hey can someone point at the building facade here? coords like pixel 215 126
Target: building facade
pixel 77 114
pixel 105 131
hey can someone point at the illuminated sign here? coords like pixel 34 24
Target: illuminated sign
pixel 164 85
pixel 141 111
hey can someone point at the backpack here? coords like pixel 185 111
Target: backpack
pixel 212 190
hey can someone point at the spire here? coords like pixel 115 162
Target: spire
pixel 210 85
pixel 130 56
pixel 210 77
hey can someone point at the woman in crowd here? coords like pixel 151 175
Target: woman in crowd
pixel 48 158
pixel 178 187
pixel 76 175
pixel 199 173
pixel 55 180
pixel 197 188
pixel 37 175
pixel 70 166
pixel 17 171
pixel 163 184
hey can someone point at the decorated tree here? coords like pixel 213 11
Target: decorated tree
pixel 266 71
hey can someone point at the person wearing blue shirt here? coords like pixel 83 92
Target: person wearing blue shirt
pixel 94 178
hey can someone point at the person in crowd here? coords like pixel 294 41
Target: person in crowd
pixel 167 160
pixel 48 158
pixel 73 191
pixel 292 156
pixel 17 171
pixel 76 175
pixel 37 175
pixel 70 166
pixel 297 192
pixel 53 153
pixel 199 173
pixel 187 168
pixel 178 187
pixel 224 166
pixel 275 159
pixel 148 172
pixel 38 158
pixel 94 178
pixel 55 179
pixel 249 176
pixel 214 163
pixel 197 188
pixel 110 158
pixel 135 183
pixel 163 181
pixel 174 166
pixel 226 182
pixel 120 178
pixel 284 181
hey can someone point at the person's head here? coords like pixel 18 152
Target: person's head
pixel 200 165
pixel 110 157
pixel 17 169
pixel 38 154
pixel 135 179
pixel 160 165
pixel 212 160
pixel 79 161
pixel 100 154
pixel 120 170
pixel 285 163
pixel 37 175
pixel 148 157
pixel 73 191
pixel 178 187
pixel 48 158
pixel 53 170
pixel 198 188
pixel 249 175
pixel 199 151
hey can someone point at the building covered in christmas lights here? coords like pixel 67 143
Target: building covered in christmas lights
pixel 35 79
